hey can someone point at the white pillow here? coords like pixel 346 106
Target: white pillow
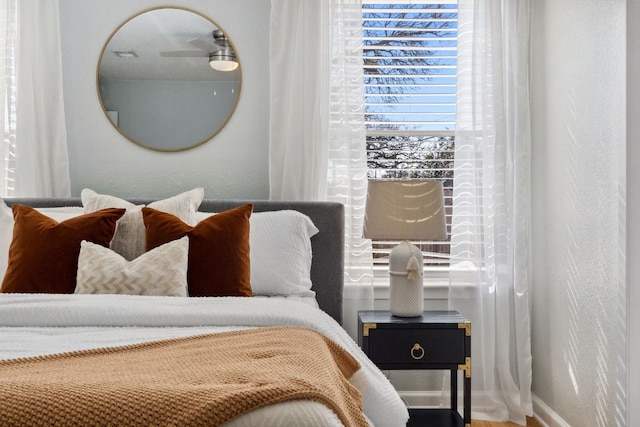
pixel 162 271
pixel 280 254
pixel 6 227
pixel 129 240
pixel 62 213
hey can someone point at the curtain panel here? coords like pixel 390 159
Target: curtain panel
pixel 490 238
pixel 317 134
pixel 299 82
pixel 35 155
pixel 8 40
pixel 347 162
pixel 41 161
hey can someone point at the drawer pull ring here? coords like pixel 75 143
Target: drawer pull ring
pixel 417 352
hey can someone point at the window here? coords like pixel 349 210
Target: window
pixel 410 55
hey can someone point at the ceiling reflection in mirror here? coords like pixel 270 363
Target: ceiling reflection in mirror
pixel 155 82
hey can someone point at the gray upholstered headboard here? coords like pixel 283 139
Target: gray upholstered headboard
pixel 328 262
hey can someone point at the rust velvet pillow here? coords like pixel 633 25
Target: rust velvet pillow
pixel 218 249
pixel 43 256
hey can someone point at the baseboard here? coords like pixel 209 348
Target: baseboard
pixel 424 399
pixel 541 412
pixel 545 415
pixel 439 399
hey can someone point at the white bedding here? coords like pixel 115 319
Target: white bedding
pixel 32 325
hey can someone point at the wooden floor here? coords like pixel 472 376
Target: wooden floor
pixel 530 423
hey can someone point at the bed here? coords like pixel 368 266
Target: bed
pixel 291 314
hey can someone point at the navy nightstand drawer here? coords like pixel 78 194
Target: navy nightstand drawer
pixel 417 346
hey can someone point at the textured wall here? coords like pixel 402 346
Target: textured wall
pixel 233 164
pixel 578 62
pixel 633 209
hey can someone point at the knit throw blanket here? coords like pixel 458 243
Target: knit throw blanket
pixel 195 381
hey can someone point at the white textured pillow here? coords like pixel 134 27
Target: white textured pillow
pixel 6 227
pixel 280 254
pixel 161 271
pixel 129 240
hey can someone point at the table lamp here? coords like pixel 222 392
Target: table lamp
pixel 405 210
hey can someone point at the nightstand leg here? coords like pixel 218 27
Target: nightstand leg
pixel 454 389
pixel 467 400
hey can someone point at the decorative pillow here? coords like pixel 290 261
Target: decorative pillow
pixel 280 252
pixel 219 260
pixel 6 226
pixel 161 271
pixel 43 256
pixel 129 240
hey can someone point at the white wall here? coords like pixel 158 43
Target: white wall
pixel 631 376
pixel 233 164
pixel 578 93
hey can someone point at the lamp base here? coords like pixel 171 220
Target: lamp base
pixel 406 299
pixel 406 296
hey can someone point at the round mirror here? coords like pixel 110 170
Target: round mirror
pixel 169 79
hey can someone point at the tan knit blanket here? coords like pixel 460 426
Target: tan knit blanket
pixel 194 381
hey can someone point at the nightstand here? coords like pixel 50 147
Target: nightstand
pixel 436 340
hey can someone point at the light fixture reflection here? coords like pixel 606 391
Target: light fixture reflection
pixel 223 59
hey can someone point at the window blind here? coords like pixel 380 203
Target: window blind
pixel 410 59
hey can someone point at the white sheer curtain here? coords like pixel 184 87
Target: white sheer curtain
pixel 490 248
pixel 8 39
pixel 317 133
pixel 299 82
pixel 40 164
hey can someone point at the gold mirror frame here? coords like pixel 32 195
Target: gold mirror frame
pixel 233 77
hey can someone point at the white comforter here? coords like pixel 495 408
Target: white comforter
pixel 32 325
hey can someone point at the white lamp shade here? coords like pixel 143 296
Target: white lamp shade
pixel 405 210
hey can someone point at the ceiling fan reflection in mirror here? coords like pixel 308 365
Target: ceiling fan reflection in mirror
pixel 219 50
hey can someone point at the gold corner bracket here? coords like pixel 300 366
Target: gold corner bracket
pixel 366 327
pixel 466 367
pixel 467 328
